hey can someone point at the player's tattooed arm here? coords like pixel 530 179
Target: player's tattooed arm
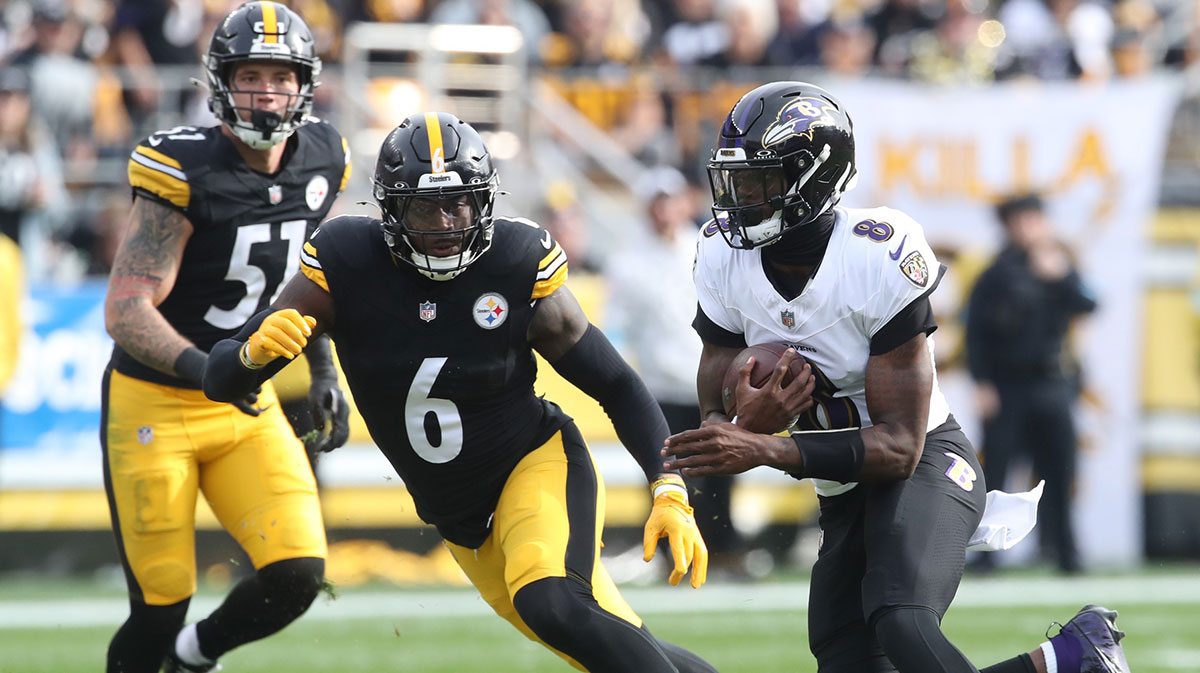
pixel 898 384
pixel 144 271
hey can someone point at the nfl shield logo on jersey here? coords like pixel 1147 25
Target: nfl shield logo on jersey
pixel 428 311
pixel 275 194
pixel 788 317
pixel 145 434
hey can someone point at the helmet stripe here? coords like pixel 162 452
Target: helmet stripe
pixel 433 129
pixel 270 27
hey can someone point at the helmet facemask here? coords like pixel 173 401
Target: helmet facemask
pixel 441 231
pixel 756 201
pixel 262 130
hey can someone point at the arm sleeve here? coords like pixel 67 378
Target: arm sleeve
pixel 225 379
pixel 916 318
pixel 594 366
pixel 713 333
pixel 320 359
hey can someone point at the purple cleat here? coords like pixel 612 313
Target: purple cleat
pixel 1096 629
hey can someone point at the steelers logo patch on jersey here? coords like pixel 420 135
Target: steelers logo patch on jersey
pixel 491 310
pixel 915 268
pixel 315 193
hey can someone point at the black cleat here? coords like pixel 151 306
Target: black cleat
pixel 1096 629
pixel 174 664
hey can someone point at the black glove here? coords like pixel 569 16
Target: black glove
pixel 246 404
pixel 330 415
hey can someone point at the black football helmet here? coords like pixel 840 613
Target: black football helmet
pixel 436 185
pixel 261 31
pixel 784 155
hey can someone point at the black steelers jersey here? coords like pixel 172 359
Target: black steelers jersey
pixel 442 371
pixel 248 227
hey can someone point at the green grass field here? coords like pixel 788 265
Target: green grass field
pixel 65 627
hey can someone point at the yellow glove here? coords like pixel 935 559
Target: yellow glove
pixel 672 518
pixel 283 333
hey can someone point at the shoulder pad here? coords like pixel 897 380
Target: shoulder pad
pixel 159 165
pixel 335 228
pixel 529 238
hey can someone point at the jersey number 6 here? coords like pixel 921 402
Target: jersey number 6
pixel 433 424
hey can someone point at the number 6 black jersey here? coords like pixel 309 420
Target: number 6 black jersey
pixel 248 227
pixel 442 371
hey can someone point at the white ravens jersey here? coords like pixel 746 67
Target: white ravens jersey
pixel 876 264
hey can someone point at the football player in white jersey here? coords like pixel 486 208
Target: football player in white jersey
pixel 900 489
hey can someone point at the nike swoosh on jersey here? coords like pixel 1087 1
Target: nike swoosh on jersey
pixel 899 248
pixel 154 141
pixel 546 241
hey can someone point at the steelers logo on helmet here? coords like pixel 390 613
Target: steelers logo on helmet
pixel 270 33
pixel 491 310
pixel 436 185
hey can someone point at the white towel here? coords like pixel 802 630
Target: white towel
pixel 1007 519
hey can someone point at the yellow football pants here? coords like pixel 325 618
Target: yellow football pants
pixel 531 529
pixel 163 444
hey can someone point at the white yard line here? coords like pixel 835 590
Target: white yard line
pixel 406 604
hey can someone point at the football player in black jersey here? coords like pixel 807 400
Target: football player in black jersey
pixel 218 220
pixel 901 492
pixel 437 311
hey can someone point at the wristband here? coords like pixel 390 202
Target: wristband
pixel 836 456
pixel 190 364
pixel 244 357
pixel 667 483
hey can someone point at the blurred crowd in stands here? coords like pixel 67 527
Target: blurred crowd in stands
pixel 82 80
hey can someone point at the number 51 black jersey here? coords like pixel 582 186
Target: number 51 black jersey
pixel 248 227
pixel 442 371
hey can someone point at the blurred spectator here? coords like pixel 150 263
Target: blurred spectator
pixel 151 33
pixel 1057 39
pixel 796 41
pixel 386 11
pixel 1131 54
pixel 563 217
pixel 895 24
pixel 652 301
pixel 846 47
pixel 955 50
pixel 1026 383
pixel 696 34
pixel 645 130
pixel 32 194
pixel 525 15
pixel 751 26
pixel 62 80
pixel 597 33
pixel 96 237
pixel 1137 43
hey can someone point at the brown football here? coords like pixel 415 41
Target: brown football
pixel 766 356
